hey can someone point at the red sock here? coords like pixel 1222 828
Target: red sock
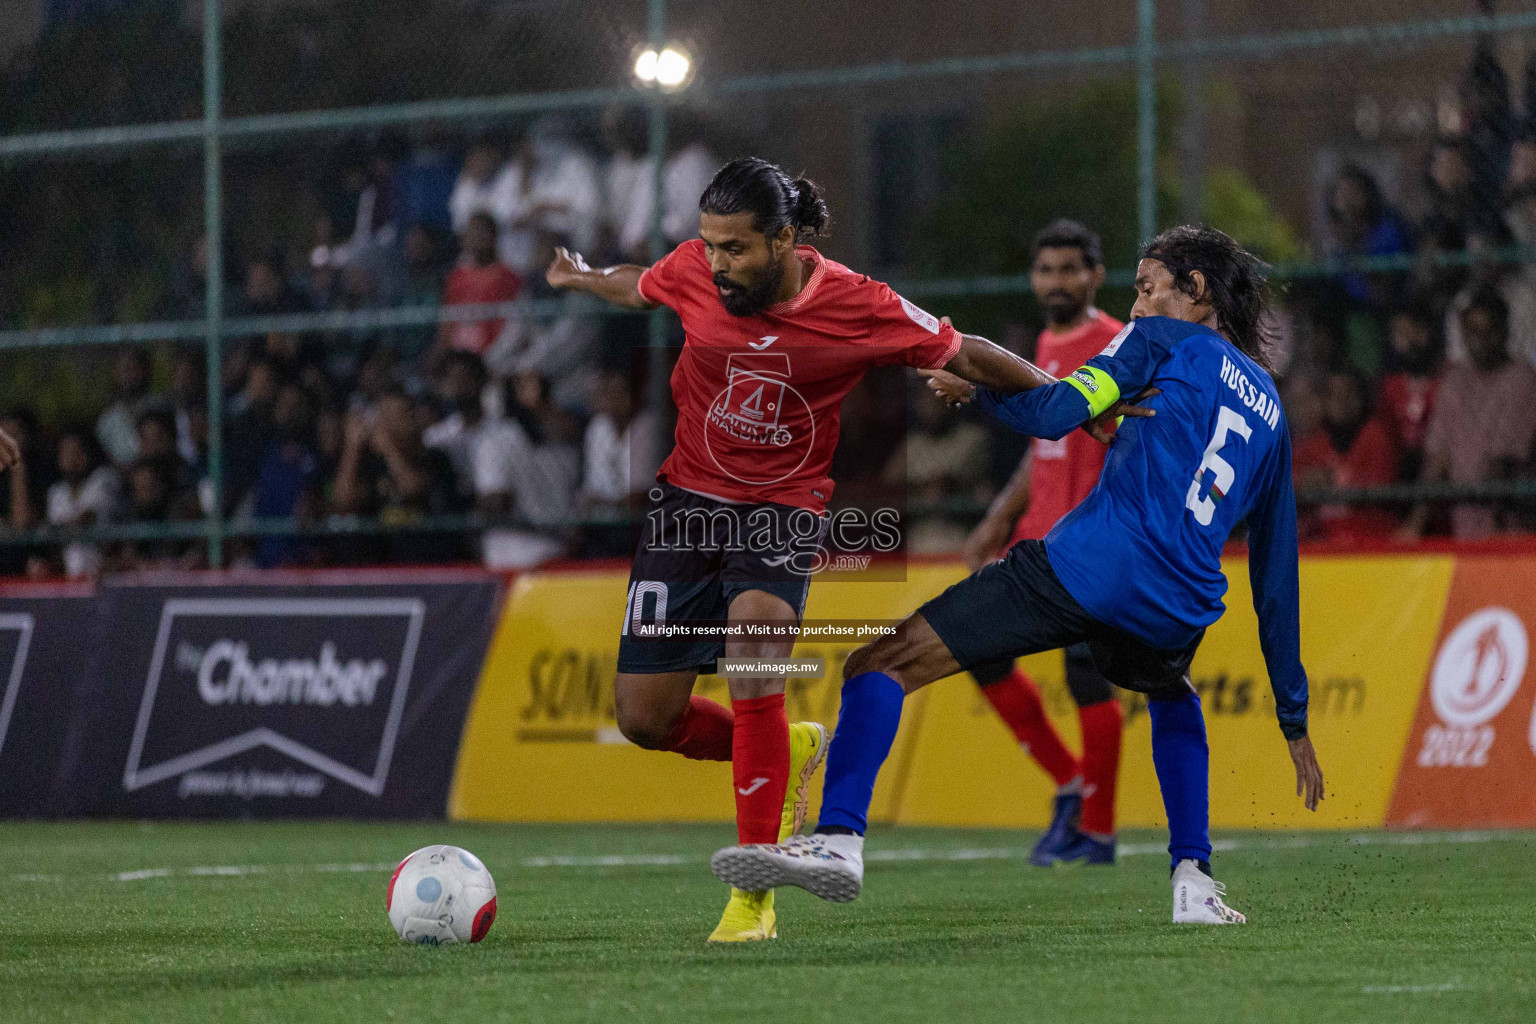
pixel 1018 702
pixel 1101 764
pixel 703 733
pixel 760 767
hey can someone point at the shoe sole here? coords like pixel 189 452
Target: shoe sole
pixel 746 868
pixel 803 783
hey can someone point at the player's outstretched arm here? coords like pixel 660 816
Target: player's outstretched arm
pixel 1274 572
pixel 619 285
pixel 1027 390
pixel 994 367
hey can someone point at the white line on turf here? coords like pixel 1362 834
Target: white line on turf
pixel 610 861
pixel 910 854
pixel 1409 989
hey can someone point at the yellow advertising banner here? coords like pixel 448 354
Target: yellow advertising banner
pixel 1368 626
pixel 541 743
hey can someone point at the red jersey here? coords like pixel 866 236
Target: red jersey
pixel 1064 471
pixel 1409 402
pixel 469 285
pixel 1370 462
pixel 758 397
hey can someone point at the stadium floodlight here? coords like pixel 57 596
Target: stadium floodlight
pixel 668 69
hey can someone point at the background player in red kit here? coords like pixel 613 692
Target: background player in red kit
pixel 1065 273
pixel 777 335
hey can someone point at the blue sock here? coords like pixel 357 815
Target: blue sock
pixel 1183 763
pixel 866 728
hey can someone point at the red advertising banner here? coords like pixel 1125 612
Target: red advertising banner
pixel 1470 760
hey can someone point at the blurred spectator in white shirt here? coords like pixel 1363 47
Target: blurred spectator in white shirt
pixel 619 457
pixel 559 348
pixel 117 426
pixel 475 191
pixel 528 466
pixel 552 185
pixel 460 387
pixel 1515 283
pixel 626 134
pixel 86 494
pixel 685 175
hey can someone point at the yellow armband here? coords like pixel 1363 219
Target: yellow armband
pixel 1097 386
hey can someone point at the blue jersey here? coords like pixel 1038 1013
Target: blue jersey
pixel 1142 552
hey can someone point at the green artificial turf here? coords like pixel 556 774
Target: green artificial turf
pixel 1385 929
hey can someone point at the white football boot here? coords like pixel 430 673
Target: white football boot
pixel 831 867
pixel 1197 897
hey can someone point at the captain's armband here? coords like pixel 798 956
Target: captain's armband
pixel 1095 385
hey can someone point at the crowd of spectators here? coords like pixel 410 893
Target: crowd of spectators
pixel 1415 363
pixel 527 418
pixel 1419 366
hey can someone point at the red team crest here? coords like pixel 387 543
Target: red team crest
pixel 759 407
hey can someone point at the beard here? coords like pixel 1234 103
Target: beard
pixel 1061 308
pixel 753 297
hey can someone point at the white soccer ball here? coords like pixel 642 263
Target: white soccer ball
pixel 441 895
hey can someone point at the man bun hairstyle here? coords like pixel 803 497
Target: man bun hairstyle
pixel 775 201
pixel 1235 282
pixel 1065 233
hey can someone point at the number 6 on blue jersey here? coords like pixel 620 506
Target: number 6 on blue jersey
pixel 1204 508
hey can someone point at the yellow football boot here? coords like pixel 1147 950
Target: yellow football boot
pixel 807 752
pixel 749 917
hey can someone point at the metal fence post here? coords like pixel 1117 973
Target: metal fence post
pixel 1146 119
pixel 1192 117
pixel 213 229
pixel 658 237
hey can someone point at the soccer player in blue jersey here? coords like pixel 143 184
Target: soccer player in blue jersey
pixel 1134 571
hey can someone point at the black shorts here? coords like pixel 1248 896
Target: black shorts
pixel 695 556
pixel 1017 606
pixel 1084 681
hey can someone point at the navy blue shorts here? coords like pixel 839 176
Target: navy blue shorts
pixel 1017 606
pixel 695 556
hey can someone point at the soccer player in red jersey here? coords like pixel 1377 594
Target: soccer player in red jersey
pixel 1066 272
pixel 776 336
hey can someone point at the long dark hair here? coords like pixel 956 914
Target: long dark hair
pixel 773 198
pixel 1234 282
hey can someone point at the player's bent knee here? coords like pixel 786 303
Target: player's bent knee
pixel 865 659
pixel 887 656
pixel 646 726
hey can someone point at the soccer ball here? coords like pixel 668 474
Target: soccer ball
pixel 441 895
